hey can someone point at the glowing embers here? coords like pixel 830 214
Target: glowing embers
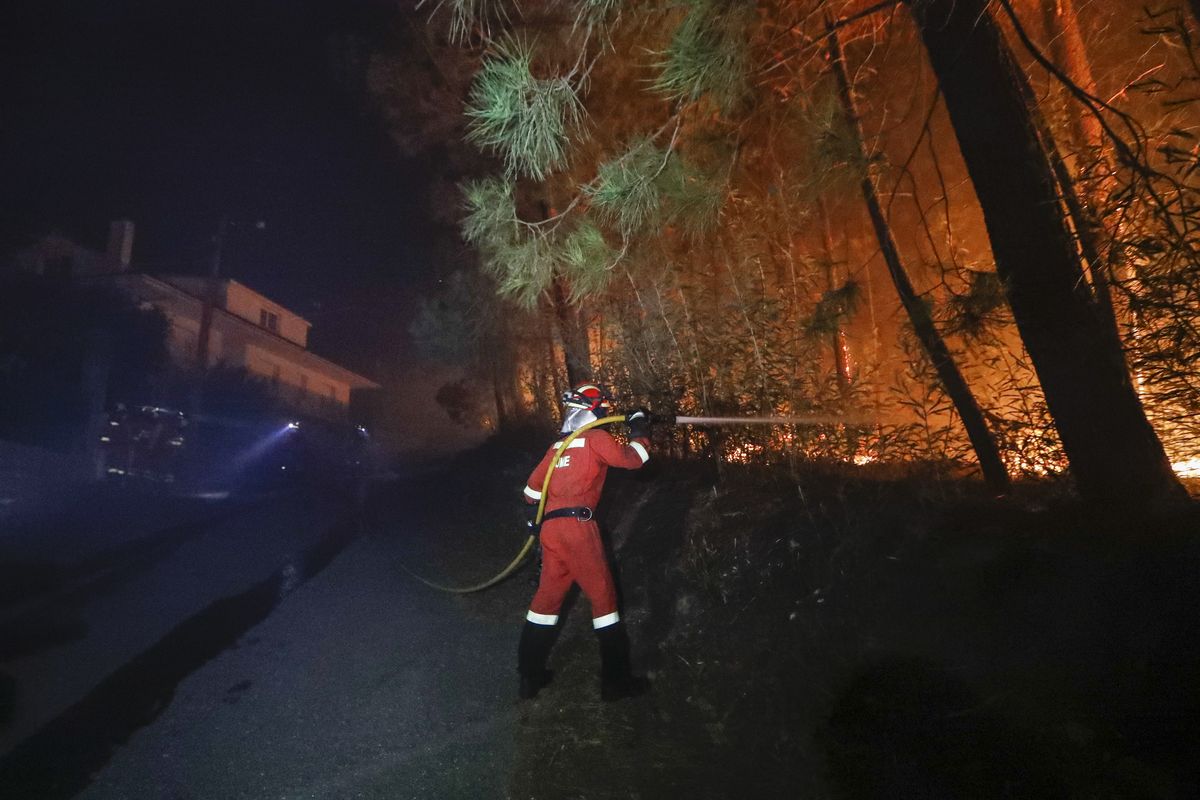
pixel 1187 468
pixel 1180 436
pixel 741 453
pixel 826 445
pixel 1181 441
pixel 1035 456
pixel 1176 426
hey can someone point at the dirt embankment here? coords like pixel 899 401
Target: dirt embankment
pixel 829 634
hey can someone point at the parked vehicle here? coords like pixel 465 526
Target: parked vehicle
pixel 144 443
pixel 217 457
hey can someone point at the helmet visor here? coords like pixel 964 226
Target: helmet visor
pixel 576 418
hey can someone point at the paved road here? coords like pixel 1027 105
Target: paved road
pixel 265 651
pixel 108 607
pixel 362 684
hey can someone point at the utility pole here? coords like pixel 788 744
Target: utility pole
pixel 210 294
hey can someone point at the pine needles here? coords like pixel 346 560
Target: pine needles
pixel 523 258
pixel 834 310
pixel 707 56
pixel 591 12
pixel 518 260
pixel 528 121
pixel 649 186
pixel 587 261
pixel 467 16
pixel 692 196
pixel 624 193
pixel 981 305
pixel 491 209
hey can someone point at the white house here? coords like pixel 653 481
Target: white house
pixel 213 321
pixel 218 321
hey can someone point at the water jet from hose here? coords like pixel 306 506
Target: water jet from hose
pixel 810 419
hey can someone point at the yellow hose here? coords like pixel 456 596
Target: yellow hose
pixel 516 562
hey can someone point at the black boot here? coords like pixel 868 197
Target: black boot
pixel 532 652
pixel 616 679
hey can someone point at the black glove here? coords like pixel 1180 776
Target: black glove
pixel 531 510
pixel 638 421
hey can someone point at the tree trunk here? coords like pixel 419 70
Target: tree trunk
pixel 1087 228
pixel 1061 25
pixel 918 313
pixel 503 413
pixel 550 386
pixel 572 330
pixel 1113 450
pixel 1065 37
pixel 500 361
pixel 841 351
pixel 574 336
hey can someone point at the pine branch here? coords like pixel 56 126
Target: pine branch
pixel 470 16
pixel 528 121
pixel 707 56
pixel 648 186
pixel 587 261
pixel 491 211
pixel 834 310
pixel 624 193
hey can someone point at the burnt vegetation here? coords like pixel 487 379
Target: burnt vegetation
pixel 839 632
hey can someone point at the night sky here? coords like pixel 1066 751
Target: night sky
pixel 173 114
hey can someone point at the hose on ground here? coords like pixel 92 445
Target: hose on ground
pixel 516 562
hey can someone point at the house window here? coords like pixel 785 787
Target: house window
pixel 269 320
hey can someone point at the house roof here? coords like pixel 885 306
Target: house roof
pixel 268 300
pixel 185 282
pixel 285 347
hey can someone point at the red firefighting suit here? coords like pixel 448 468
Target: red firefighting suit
pixel 571 547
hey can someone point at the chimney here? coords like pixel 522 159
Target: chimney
pixel 120 245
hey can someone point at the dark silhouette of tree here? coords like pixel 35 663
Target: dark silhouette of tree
pixel 1114 452
pixel 64 349
pixel 918 312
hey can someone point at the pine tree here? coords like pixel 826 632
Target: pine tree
pixel 675 207
pixel 918 313
pixel 1114 452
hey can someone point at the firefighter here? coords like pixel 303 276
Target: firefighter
pixel 571 548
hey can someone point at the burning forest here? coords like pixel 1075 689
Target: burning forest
pixel 966 229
